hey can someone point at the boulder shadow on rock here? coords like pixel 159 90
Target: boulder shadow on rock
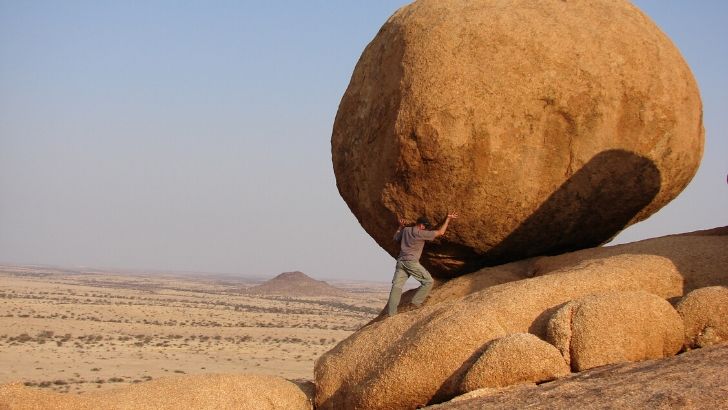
pixel 590 208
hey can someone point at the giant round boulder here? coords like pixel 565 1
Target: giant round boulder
pixel 549 125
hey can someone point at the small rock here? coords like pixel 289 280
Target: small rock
pixel 705 313
pixel 615 327
pixel 516 358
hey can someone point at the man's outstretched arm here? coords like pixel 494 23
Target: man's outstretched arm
pixel 398 234
pixel 443 228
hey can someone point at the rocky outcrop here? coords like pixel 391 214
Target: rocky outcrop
pixel 361 370
pixel 705 313
pixel 549 125
pixel 615 327
pixel 692 380
pixel 247 392
pixel 516 358
pixel 443 338
pixel 295 284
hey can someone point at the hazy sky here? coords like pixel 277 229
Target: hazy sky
pixel 195 136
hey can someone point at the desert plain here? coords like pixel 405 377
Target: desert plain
pixel 87 330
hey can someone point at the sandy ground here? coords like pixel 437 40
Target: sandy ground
pixel 77 332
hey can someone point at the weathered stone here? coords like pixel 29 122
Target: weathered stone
pixel 425 352
pixel 615 327
pixel 549 125
pixel 705 313
pixel 516 358
pixel 441 339
pixel 212 391
pixel 692 380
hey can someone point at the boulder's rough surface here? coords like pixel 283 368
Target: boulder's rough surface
pixel 705 314
pixel 251 392
pixel 440 339
pixel 615 327
pixel 692 380
pixel 516 358
pixel 529 117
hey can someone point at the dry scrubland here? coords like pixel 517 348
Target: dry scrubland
pixel 86 331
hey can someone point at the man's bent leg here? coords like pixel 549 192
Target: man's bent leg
pixel 400 277
pixel 423 276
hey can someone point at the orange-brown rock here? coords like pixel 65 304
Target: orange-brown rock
pixel 516 358
pixel 443 338
pixel 693 380
pixel 705 313
pixel 615 327
pixel 425 352
pixel 550 126
pixel 214 391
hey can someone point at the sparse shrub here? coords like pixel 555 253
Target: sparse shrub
pixel 46 334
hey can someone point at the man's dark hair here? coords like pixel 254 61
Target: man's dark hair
pixel 423 221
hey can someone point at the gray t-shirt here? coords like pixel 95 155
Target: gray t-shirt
pixel 412 240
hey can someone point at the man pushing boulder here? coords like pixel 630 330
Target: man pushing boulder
pixel 412 241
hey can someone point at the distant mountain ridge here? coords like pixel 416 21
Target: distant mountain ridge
pixel 295 283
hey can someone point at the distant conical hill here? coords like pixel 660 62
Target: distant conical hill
pixel 295 284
